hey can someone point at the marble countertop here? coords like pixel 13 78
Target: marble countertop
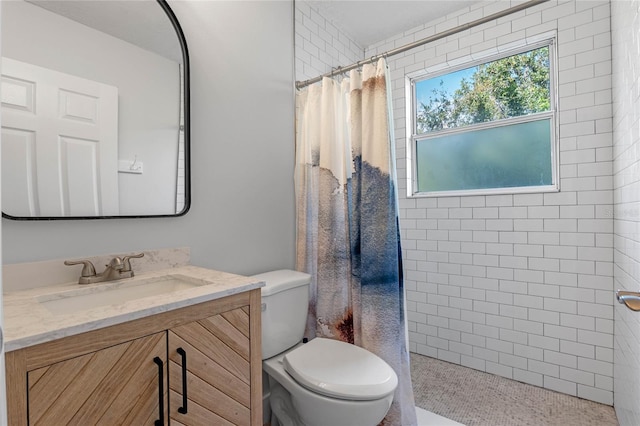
pixel 28 322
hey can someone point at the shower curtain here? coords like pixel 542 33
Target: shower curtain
pixel 347 221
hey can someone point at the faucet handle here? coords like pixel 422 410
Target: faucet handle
pixel 88 269
pixel 127 264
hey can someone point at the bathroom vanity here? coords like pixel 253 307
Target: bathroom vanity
pixel 181 346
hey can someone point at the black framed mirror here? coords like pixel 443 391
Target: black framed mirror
pixel 95 110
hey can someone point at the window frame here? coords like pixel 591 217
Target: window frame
pixel 413 137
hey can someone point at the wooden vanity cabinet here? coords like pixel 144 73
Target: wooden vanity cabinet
pixel 113 386
pixel 115 375
pixel 210 370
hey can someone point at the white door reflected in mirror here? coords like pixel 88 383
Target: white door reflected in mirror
pixel 132 46
pixel 59 143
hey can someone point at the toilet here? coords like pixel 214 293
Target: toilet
pixel 323 382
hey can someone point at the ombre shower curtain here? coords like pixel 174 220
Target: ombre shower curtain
pixel 347 221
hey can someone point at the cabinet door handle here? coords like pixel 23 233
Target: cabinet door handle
pixel 183 354
pixel 160 421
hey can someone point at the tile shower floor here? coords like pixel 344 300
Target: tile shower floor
pixel 476 398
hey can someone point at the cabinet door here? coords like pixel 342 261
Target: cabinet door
pixel 119 385
pixel 209 370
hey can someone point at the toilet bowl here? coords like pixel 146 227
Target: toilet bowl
pixel 331 384
pixel 324 382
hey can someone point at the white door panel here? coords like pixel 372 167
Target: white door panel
pixel 72 147
pixel 80 170
pixel 19 145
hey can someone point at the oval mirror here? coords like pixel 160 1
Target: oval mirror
pixel 95 110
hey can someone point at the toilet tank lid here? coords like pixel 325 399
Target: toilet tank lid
pixel 281 280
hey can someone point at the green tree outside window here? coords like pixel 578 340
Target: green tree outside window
pixel 509 87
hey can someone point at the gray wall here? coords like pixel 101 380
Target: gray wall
pixel 242 213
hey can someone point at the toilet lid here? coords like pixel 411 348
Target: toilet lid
pixel 340 370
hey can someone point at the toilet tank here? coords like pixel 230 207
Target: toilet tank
pixel 285 301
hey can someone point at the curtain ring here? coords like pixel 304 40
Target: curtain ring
pixel 335 70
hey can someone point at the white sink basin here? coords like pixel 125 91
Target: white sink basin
pixel 105 294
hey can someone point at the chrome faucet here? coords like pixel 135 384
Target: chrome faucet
pixel 116 269
pixel 112 270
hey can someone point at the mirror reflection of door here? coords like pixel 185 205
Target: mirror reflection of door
pixel 130 45
pixel 59 143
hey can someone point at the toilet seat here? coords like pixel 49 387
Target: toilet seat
pixel 340 370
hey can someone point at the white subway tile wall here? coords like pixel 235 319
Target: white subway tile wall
pixel 320 44
pixel 625 18
pixel 516 285
pixel 181 177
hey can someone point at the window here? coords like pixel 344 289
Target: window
pixel 486 128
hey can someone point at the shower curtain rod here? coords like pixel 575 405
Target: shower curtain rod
pixel 443 34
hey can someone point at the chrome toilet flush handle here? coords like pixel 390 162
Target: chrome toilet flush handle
pixel 631 299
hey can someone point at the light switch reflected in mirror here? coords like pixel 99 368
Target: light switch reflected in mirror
pixel 95 110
